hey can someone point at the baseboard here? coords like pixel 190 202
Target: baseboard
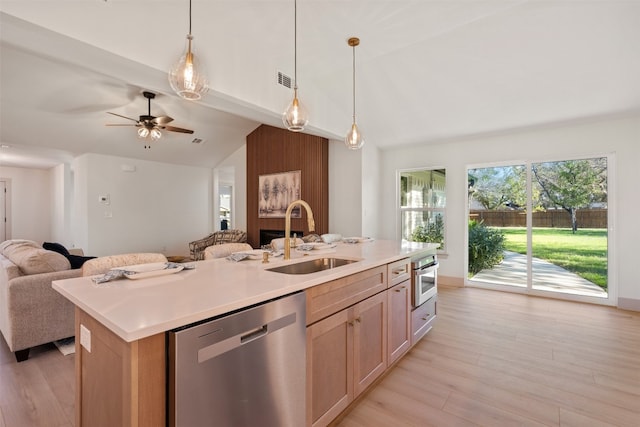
pixel 450 281
pixel 629 304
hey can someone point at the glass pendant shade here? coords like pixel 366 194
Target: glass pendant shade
pixel 295 117
pixel 155 134
pixel 354 139
pixel 143 132
pixel 186 77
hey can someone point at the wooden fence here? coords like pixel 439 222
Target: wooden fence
pixel 587 218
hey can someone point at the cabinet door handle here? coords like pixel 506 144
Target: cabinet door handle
pixel 350 323
pixel 426 317
pixel 358 319
pixel 400 289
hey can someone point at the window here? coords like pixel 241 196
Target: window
pixel 422 205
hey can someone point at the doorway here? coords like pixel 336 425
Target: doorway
pixel 542 228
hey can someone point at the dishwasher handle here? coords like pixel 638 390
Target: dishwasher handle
pixel 245 337
pixel 254 335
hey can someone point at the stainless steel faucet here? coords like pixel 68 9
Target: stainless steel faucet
pixel 287 224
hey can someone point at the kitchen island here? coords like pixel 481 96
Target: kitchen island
pixel 121 368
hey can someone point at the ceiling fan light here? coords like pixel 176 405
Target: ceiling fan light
pixel 155 134
pixel 354 139
pixel 186 77
pixel 143 132
pixel 295 117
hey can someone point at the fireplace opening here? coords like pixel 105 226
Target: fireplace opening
pixel 266 236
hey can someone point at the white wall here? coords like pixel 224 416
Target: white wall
pixel 30 203
pixel 61 205
pixel 620 136
pixel 345 190
pixel 156 208
pixel 238 163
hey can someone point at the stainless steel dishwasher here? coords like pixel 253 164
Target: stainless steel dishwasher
pixel 246 368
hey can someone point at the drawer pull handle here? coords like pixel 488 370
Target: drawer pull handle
pixel 399 271
pixel 358 319
pixel 426 317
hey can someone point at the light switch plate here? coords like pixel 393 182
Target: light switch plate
pixel 85 337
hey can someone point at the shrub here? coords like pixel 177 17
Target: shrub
pixel 433 232
pixel 486 247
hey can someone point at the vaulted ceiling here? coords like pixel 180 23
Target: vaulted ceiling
pixel 427 71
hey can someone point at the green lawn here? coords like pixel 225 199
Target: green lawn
pixel 583 253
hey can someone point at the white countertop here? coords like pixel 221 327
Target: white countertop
pixel 135 309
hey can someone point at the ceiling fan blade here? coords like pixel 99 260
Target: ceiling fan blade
pixel 176 129
pixel 124 117
pixel 162 120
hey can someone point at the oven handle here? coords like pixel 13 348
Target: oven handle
pixel 427 269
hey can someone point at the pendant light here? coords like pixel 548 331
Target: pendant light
pixel 354 139
pixel 186 77
pixel 295 117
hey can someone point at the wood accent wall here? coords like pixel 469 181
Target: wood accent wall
pixel 275 150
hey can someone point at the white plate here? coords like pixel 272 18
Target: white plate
pixel 317 246
pixel 142 271
pixel 254 254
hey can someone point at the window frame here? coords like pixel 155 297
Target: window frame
pixel 401 211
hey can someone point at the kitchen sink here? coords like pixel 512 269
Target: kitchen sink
pixel 312 266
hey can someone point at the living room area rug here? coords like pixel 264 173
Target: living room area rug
pixel 66 346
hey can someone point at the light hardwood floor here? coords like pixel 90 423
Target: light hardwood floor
pixel 501 359
pixel 493 359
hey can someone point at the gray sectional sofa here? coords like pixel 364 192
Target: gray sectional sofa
pixel 31 311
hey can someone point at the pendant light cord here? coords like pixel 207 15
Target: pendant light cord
pixel 189 16
pixel 354 84
pixel 295 44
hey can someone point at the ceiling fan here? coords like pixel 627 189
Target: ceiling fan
pixel 150 126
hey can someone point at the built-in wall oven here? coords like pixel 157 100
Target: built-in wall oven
pixel 424 278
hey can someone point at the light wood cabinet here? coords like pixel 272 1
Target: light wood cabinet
pixel 399 320
pixel 346 352
pixel 422 319
pixel 119 383
pixel 331 297
pixel 399 271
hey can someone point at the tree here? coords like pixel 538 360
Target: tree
pixel 572 184
pixel 499 187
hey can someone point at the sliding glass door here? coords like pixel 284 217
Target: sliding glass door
pixel 541 227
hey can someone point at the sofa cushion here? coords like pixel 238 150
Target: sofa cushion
pixel 33 259
pixel 56 247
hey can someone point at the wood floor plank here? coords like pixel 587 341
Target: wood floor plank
pixel 511 359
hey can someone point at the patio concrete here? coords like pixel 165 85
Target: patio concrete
pixel 512 271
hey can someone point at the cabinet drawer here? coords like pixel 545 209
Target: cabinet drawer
pixel 399 271
pixel 331 297
pixel 422 319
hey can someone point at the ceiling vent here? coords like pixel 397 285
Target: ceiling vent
pixel 284 80
pixel 197 141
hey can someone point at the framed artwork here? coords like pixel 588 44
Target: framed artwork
pixel 276 191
